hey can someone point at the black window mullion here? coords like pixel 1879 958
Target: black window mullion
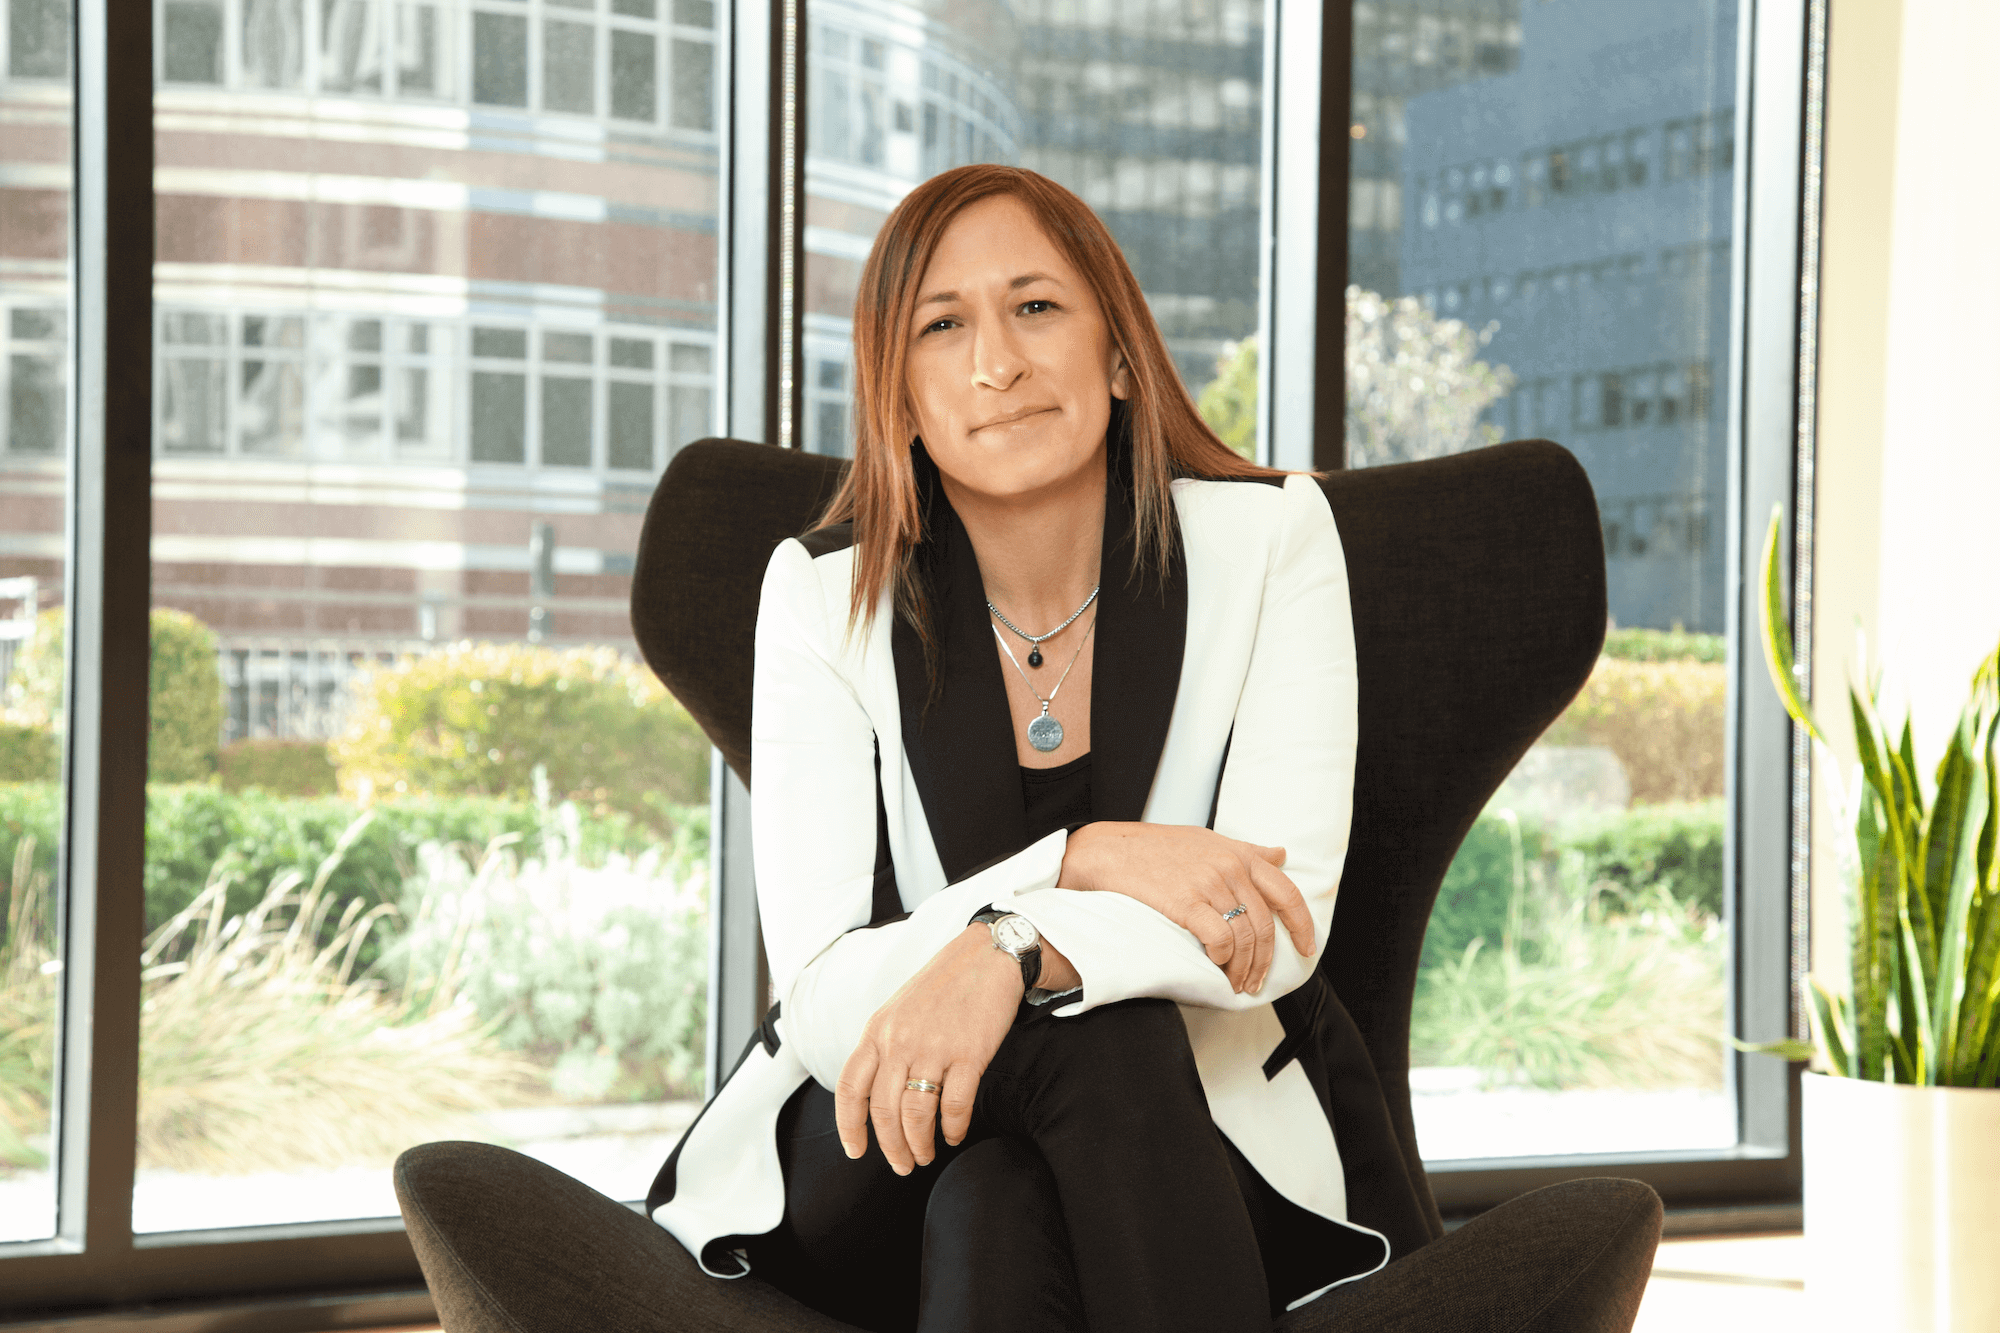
pixel 109 527
pixel 762 355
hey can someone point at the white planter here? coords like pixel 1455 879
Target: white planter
pixel 1902 1207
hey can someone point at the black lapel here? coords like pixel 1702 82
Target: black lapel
pixel 960 741
pixel 961 746
pixel 1136 664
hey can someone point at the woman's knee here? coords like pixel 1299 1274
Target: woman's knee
pixel 1003 1177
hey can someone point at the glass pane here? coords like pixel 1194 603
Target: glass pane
pixel 1540 246
pixel 426 843
pixel 34 476
pixel 1162 138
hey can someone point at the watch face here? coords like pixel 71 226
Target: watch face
pixel 1016 934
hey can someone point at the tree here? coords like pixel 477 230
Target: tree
pixel 1415 385
pixel 1229 403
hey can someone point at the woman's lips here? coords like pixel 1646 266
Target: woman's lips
pixel 1012 418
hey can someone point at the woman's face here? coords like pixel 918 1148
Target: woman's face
pixel 1011 370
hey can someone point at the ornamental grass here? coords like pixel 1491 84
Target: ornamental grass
pixel 261 1050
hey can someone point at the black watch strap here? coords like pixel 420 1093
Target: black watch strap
pixel 1030 959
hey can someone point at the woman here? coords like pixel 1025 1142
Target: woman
pixel 1053 748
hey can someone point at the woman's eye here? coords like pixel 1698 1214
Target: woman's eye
pixel 1037 307
pixel 936 325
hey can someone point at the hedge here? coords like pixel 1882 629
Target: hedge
pixel 1623 855
pixel 1666 722
pixel 1665 645
pixel 190 827
pixel 283 767
pixel 484 718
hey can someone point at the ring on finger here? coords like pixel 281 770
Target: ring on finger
pixel 1235 912
pixel 922 1085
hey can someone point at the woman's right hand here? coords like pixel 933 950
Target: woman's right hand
pixel 1193 876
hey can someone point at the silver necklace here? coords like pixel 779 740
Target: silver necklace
pixel 1045 733
pixel 1035 653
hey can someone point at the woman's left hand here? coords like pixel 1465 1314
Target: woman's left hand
pixel 943 1026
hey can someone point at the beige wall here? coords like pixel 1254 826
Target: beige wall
pixel 1908 531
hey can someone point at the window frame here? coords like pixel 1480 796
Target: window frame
pixel 365 1272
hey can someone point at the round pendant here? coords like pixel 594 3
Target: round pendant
pixel 1045 733
pixel 1035 655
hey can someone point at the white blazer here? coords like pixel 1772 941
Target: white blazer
pixel 1224 695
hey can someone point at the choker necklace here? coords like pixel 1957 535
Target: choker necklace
pixel 1035 653
pixel 1045 733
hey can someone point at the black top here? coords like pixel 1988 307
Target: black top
pixel 1056 797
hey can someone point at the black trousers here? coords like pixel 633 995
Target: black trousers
pixel 1093 1192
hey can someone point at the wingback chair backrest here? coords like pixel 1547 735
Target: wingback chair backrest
pixel 1478 592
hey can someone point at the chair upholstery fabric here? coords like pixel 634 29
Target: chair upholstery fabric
pixel 509 1245
pixel 1478 592
pixel 512 1246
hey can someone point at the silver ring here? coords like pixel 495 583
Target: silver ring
pixel 1235 912
pixel 922 1085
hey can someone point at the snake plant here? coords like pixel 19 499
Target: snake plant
pixel 1921 1000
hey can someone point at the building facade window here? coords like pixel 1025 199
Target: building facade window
pixel 339 388
pixel 634 63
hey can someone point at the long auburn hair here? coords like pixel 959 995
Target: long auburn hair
pixel 1165 436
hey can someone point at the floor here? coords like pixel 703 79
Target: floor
pixel 1727 1284
pixel 1730 1284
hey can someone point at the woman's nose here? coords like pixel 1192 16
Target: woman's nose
pixel 996 361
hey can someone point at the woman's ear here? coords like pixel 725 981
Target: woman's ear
pixel 1121 379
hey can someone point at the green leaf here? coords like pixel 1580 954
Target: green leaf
pixel 1955 832
pixel 1778 646
pixel 1982 969
pixel 1833 1036
pixel 1914 1011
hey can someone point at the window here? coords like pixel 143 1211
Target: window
pixel 34 564
pixel 1616 360
pixel 401 466
pixel 628 61
pixel 1163 140
pixel 438 289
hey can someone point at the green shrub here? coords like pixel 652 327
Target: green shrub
pixel 1627 857
pixel 1665 645
pixel 282 767
pixel 482 718
pixel 1664 721
pixel 1472 902
pixel 184 696
pixel 29 754
pixel 185 699
pixel 1677 848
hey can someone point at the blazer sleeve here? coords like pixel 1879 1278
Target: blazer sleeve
pixel 813 752
pixel 1288 782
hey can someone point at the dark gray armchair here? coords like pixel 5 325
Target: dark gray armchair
pixel 1479 608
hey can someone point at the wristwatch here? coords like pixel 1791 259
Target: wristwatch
pixel 1016 936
